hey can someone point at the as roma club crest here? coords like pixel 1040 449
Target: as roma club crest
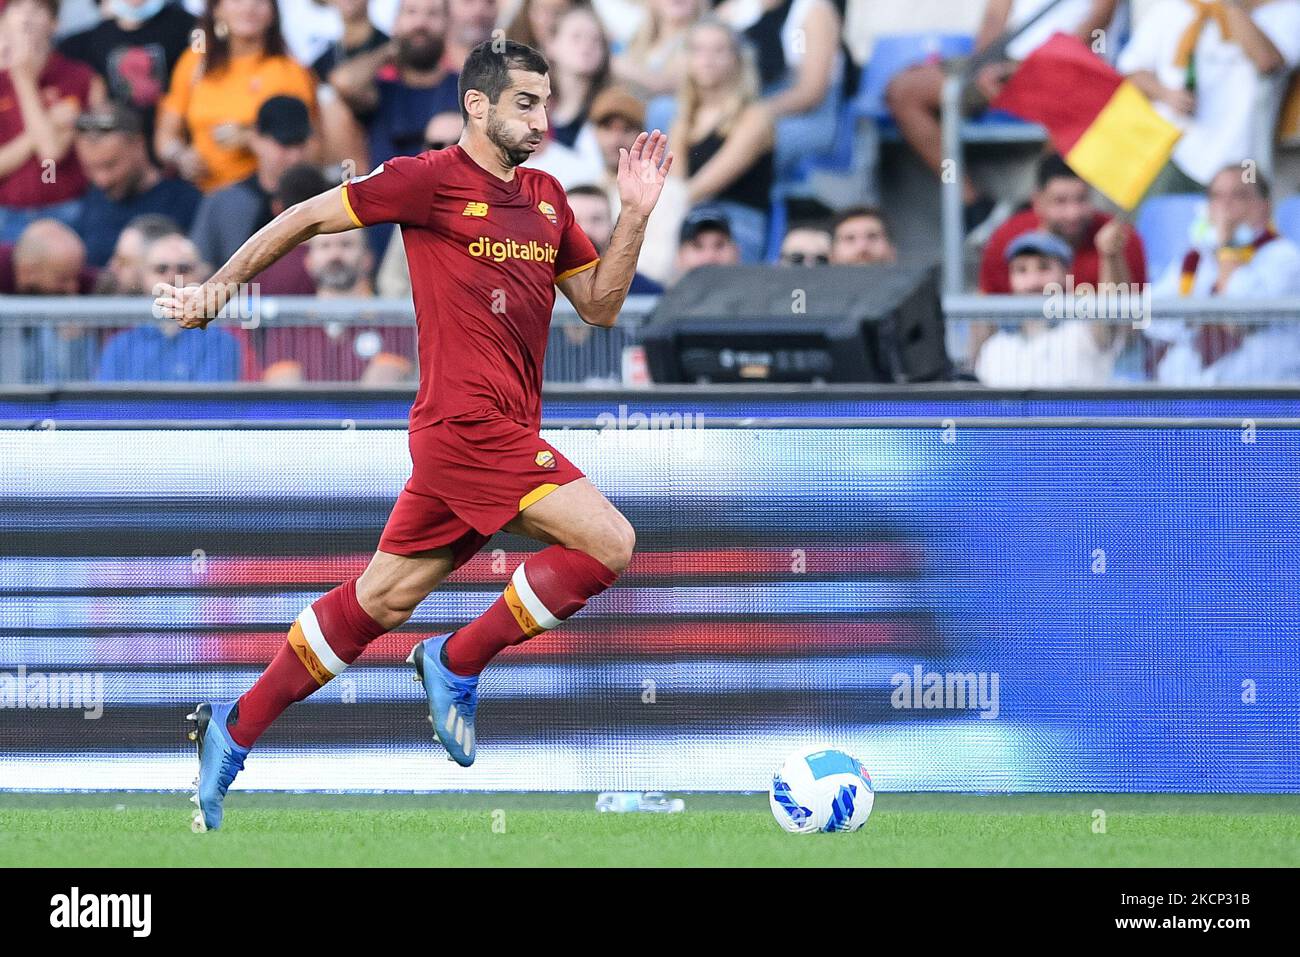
pixel 547 210
pixel 545 459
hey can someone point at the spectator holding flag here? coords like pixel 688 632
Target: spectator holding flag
pixel 1201 64
pixel 1105 249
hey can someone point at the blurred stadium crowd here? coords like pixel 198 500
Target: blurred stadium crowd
pixel 143 141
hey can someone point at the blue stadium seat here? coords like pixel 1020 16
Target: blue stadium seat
pixel 1164 223
pixel 1288 218
pixel 776 221
pixel 838 159
pixel 894 54
pixel 891 55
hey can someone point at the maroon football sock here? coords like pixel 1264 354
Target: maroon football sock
pixel 328 636
pixel 546 589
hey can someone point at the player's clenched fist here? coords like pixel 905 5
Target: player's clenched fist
pixel 193 307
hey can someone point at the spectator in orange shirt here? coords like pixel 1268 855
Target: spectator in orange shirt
pixel 205 121
pixel 41 95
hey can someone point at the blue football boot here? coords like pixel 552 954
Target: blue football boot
pixel 220 759
pixel 453 699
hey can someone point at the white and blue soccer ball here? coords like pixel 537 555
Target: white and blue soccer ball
pixel 821 789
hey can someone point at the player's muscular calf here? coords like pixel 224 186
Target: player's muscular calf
pixel 578 516
pixel 393 585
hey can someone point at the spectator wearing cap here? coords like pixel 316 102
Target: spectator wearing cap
pixel 706 241
pixel 723 135
pixel 339 265
pixel 41 94
pixel 1202 65
pixel 805 245
pixel 160 351
pixel 1041 353
pixel 1237 255
pixel 591 210
pixel 205 123
pixel 860 237
pixel 230 215
pixel 125 183
pixel 396 89
pixel 616 119
pixel 135 48
pixel 1105 249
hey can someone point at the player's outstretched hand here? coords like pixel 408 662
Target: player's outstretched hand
pixel 193 307
pixel 642 171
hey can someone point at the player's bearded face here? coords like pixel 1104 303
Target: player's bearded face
pixel 514 139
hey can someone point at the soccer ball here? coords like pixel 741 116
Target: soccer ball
pixel 821 789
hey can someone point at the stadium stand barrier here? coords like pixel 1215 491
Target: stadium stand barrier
pixel 1249 343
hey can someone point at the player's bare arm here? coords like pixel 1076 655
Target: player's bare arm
pixel 598 294
pixel 195 306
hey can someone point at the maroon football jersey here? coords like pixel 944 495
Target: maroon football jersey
pixel 484 257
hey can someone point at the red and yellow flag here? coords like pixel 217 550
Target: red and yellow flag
pixel 1102 125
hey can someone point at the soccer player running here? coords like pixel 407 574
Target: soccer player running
pixel 487 241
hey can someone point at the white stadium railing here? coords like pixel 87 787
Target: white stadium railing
pixel 1005 341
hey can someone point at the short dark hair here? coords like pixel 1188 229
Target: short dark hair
pixel 487 69
pixel 1052 167
pixel 300 183
pixel 861 212
pixel 153 226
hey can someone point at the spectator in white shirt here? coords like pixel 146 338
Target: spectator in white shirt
pixel 1237 255
pixel 1041 353
pixel 1202 65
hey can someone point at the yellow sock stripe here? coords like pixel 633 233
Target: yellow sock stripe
pixel 527 624
pixel 298 642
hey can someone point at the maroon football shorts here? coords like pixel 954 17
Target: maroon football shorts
pixel 469 477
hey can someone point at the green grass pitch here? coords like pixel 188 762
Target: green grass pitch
pixel 152 829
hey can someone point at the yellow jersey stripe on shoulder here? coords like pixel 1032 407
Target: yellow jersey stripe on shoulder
pixel 347 204
pixel 575 270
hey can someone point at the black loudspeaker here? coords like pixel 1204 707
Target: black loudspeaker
pixel 799 324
